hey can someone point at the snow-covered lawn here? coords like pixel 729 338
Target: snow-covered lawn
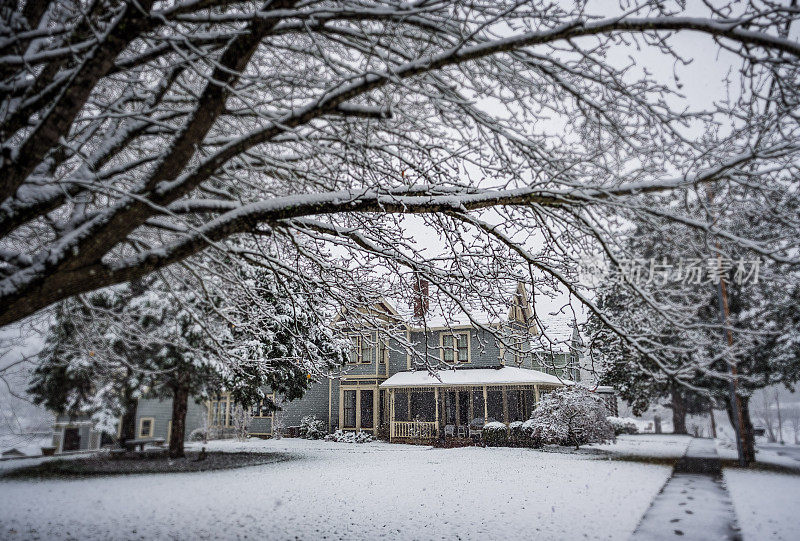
pixel 766 503
pixel 773 454
pixel 648 445
pixel 347 491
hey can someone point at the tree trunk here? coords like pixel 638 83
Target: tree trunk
pixel 678 412
pixel 713 422
pixel 748 438
pixel 780 420
pixel 180 403
pixel 127 429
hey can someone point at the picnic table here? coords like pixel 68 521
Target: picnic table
pixel 131 445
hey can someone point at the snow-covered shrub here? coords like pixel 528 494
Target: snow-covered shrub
pixel 541 431
pixel 312 428
pixel 495 434
pixel 570 416
pixel 623 425
pixel 198 434
pixel 515 436
pixel 350 437
pixel 241 421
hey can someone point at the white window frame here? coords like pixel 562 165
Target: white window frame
pixel 454 348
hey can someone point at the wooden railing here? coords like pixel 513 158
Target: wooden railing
pixel 414 429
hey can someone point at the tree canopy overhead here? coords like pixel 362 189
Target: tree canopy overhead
pixel 295 134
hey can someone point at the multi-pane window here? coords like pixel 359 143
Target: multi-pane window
pixel 455 347
pixel 261 409
pixel 146 428
pixel 382 351
pixel 363 351
pixel 222 410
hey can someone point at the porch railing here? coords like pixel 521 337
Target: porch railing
pixel 414 429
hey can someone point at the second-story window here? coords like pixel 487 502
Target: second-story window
pixel 363 350
pixel 455 347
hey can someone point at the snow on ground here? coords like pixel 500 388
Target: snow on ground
pixel 648 445
pixel 337 491
pixel 766 503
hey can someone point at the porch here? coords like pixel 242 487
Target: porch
pixel 458 403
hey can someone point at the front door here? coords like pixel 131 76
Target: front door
pixel 72 440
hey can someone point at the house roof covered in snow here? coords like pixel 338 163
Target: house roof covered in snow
pixel 555 333
pixel 506 375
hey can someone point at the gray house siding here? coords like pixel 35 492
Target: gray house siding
pixel 161 413
pixel 261 426
pixel 484 350
pixel 334 407
pixel 314 402
pixel 398 358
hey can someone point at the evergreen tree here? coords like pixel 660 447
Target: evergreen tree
pixel 685 354
pixel 88 366
pixel 282 340
pixel 244 337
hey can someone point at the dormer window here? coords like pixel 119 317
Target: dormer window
pixel 455 347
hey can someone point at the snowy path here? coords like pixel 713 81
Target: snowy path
pixel 694 503
pixel 341 491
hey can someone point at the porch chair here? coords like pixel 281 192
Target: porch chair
pixel 449 431
pixel 476 428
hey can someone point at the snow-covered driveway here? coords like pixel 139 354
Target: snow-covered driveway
pixel 347 491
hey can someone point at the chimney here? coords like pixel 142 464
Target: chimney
pixel 420 296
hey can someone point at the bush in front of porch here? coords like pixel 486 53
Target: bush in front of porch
pixel 569 416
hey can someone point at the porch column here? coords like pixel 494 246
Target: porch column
pixel 341 406
pixel 391 414
pixel 436 408
pixel 409 394
pixel 485 405
pixel 358 409
pixel 536 395
pixel 458 412
pixel 471 406
pixel 376 418
pixel 505 405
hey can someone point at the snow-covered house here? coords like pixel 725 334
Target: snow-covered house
pixel 386 389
